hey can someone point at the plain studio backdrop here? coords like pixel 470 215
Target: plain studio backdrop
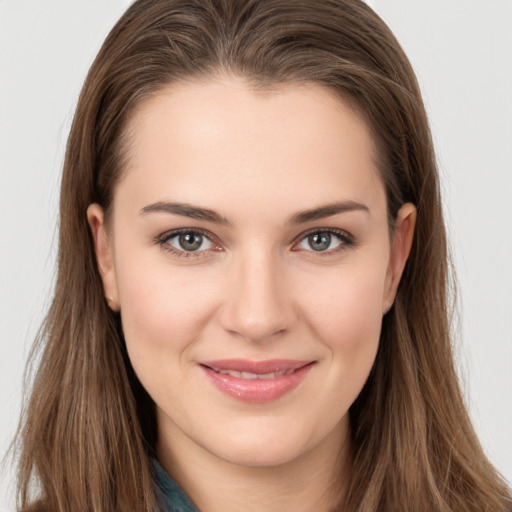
pixel 462 53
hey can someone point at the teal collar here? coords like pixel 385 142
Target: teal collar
pixel 172 496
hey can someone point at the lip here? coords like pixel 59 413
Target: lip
pixel 258 384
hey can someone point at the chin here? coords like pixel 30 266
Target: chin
pixel 267 446
pixel 258 455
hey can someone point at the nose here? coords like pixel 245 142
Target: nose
pixel 257 305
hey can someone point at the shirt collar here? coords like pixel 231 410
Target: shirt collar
pixel 173 497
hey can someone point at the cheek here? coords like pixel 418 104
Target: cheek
pixel 163 310
pixel 347 298
pixel 345 312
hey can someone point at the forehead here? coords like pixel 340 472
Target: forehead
pixel 221 138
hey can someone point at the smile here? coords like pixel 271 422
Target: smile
pixel 256 381
pixel 250 376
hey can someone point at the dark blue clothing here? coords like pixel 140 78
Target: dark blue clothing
pixel 172 496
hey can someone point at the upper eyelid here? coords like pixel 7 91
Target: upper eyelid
pixel 325 230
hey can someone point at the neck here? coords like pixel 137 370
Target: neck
pixel 315 480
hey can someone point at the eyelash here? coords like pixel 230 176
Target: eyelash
pixel 163 241
pixel 346 240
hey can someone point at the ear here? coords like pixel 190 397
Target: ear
pixel 400 248
pixel 104 256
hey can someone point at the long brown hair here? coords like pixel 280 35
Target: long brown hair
pixel 88 430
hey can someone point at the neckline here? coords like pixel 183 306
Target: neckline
pixel 172 495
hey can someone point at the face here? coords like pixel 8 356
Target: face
pixel 251 260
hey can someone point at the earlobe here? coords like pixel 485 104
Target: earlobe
pixel 403 235
pixel 104 256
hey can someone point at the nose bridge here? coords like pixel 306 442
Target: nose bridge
pixel 257 303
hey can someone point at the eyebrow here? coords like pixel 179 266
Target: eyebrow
pixel 327 211
pixel 187 210
pixel 195 212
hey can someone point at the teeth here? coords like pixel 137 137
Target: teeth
pixel 269 375
pixel 252 376
pixel 247 375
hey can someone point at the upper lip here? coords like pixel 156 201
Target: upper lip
pixel 257 367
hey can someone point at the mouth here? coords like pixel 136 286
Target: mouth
pixel 256 381
pixel 252 376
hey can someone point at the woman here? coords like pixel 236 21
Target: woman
pixel 251 297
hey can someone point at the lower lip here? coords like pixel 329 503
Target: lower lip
pixel 257 391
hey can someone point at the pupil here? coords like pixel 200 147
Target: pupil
pixel 190 241
pixel 319 241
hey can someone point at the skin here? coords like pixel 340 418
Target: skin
pixel 257 290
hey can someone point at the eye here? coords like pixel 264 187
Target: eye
pixel 191 241
pixel 186 242
pixel 325 241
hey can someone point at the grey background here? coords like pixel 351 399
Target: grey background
pixel 461 50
